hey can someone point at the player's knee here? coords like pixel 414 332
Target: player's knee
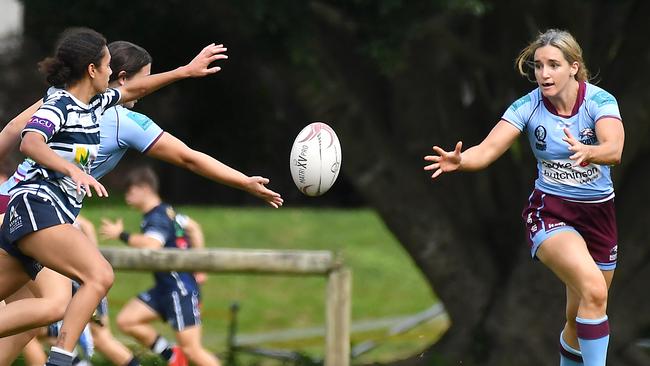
pixel 594 294
pixel 54 309
pixel 100 278
pixel 124 322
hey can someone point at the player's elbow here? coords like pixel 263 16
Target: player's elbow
pixel 189 159
pixel 29 143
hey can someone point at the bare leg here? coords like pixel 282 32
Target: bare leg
pixel 10 347
pixel 66 250
pixel 567 256
pixel 573 301
pixel 110 347
pixel 134 319
pixel 38 303
pixel 12 275
pixel 34 354
pixel 190 341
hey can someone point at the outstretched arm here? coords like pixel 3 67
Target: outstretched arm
pixel 170 149
pixel 502 136
pixel 10 134
pixel 198 67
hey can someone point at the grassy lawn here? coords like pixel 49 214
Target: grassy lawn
pixel 385 284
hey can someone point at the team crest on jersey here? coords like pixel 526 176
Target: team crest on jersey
pixel 587 136
pixel 540 136
pixel 170 213
pixel 15 221
pixel 613 254
pixel 84 156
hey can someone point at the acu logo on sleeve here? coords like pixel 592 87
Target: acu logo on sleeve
pixel 140 119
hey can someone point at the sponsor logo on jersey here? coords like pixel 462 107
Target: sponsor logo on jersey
pixel 613 254
pixel 540 136
pixel 519 102
pixel 565 172
pixel 554 225
pixel 140 119
pixel 84 156
pixel 603 98
pixel 15 221
pixel 587 136
pixel 171 213
pixel 560 125
pixel 41 124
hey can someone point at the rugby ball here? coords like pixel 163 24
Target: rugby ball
pixel 315 159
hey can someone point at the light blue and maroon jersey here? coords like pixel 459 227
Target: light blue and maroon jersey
pixel 557 174
pixel 122 129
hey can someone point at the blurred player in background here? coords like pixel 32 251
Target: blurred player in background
pixel 175 295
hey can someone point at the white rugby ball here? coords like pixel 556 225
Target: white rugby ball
pixel 315 159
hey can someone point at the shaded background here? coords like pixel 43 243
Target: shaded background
pixel 392 78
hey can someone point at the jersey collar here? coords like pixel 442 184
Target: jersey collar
pixel 582 88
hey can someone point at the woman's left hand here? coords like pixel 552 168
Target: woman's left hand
pixel 582 152
pixel 200 65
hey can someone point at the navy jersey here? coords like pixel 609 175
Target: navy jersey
pixel 557 174
pixel 160 223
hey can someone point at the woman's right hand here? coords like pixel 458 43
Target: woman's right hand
pixel 85 181
pixel 257 187
pixel 444 162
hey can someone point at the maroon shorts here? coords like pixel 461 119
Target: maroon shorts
pixel 595 221
pixel 4 202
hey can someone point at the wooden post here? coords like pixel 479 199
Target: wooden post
pixel 300 262
pixel 222 260
pixel 337 342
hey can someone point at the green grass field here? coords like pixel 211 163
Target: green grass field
pixel 385 281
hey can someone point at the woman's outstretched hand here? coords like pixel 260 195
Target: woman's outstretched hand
pixel 200 65
pixel 257 187
pixel 443 161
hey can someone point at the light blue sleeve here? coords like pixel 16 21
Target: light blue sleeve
pixel 519 112
pixel 137 131
pixel 603 104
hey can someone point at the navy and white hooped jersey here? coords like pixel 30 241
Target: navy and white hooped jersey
pixel 557 174
pixel 120 129
pixel 161 224
pixel 70 128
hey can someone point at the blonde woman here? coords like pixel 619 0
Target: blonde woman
pixel 576 133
